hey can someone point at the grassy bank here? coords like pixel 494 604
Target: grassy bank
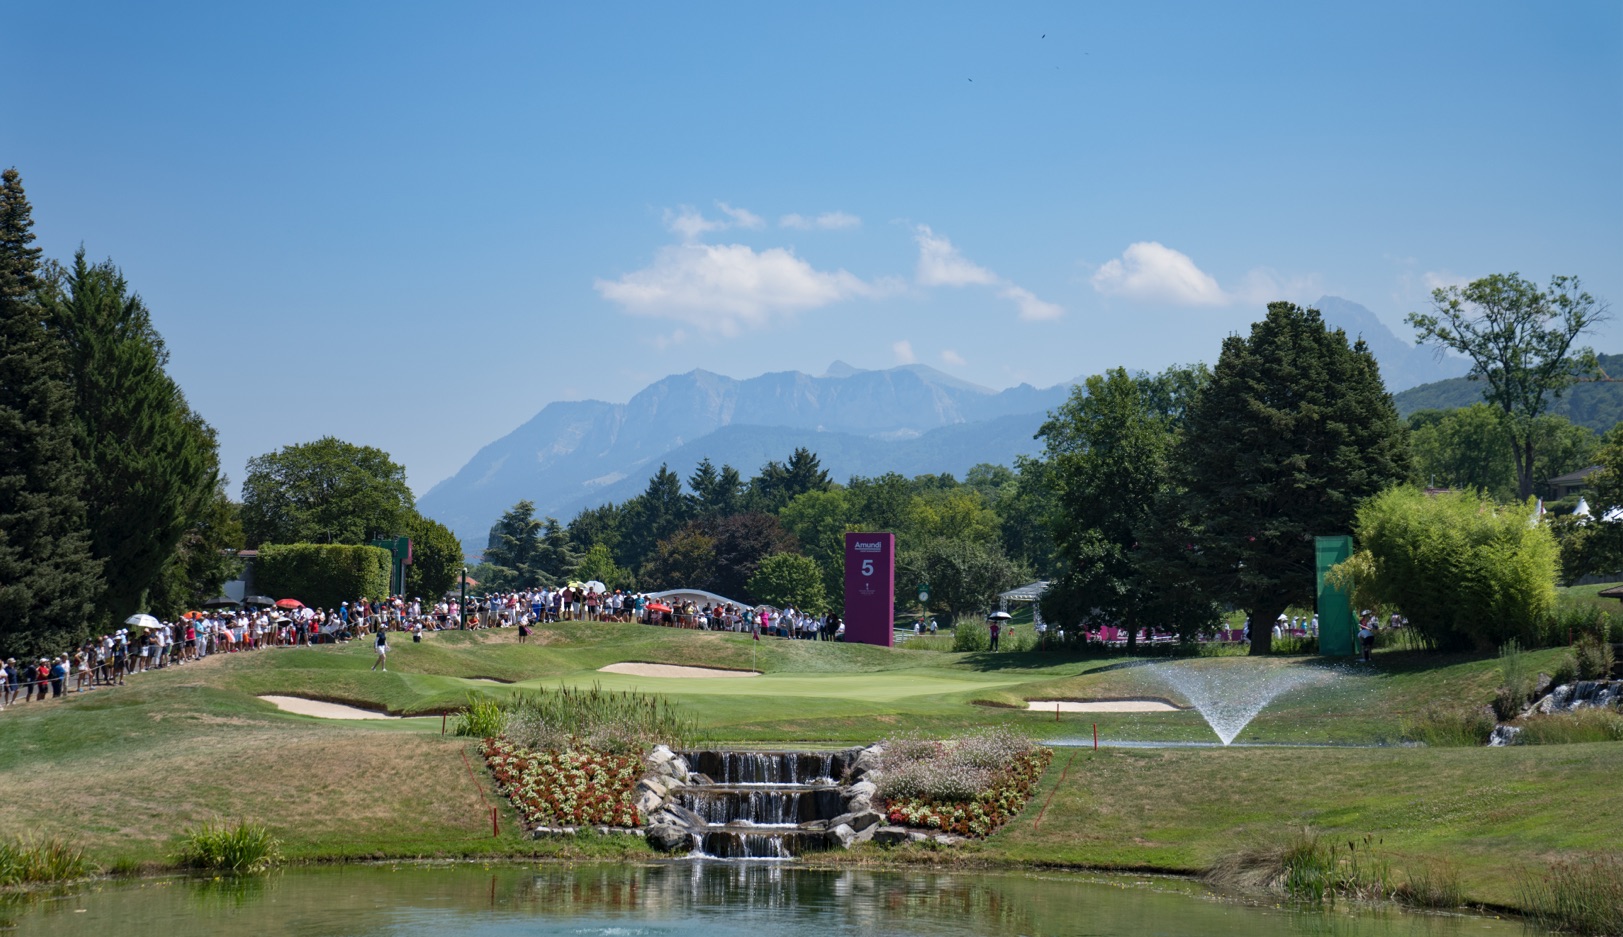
pixel 124 771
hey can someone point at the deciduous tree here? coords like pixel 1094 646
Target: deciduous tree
pixel 1520 340
pixel 327 491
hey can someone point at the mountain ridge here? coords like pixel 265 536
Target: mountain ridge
pixel 580 453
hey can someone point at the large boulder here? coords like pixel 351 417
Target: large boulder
pixel 667 838
pixel 842 836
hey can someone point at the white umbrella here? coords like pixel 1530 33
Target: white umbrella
pixel 1000 616
pixel 143 621
pixel 595 586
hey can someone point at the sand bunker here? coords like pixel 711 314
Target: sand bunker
pixel 1103 706
pixel 673 670
pixel 310 707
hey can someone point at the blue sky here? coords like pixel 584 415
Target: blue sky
pixel 413 226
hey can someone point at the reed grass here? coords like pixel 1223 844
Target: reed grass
pixel 619 723
pixel 242 848
pixel 1582 895
pixel 1438 727
pixel 32 860
pixel 1311 868
pixel 1581 725
pixel 482 718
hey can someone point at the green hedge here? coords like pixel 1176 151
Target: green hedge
pixel 321 575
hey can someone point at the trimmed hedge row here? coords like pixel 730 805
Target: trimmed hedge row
pixel 321 575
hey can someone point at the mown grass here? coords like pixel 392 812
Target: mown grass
pixel 180 747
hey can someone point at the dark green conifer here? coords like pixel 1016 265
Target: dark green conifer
pixel 49 581
pixel 1293 430
pixel 149 461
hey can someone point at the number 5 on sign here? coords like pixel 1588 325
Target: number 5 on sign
pixel 867 567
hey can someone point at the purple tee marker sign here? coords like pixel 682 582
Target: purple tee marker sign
pixel 870 589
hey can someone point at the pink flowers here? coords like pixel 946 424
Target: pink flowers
pixel 971 787
pixel 575 787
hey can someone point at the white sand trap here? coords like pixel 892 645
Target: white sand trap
pixel 310 707
pixel 1103 706
pixel 674 670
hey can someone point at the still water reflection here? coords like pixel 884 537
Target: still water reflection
pixel 682 899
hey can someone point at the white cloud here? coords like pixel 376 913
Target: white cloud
pixel 689 223
pixel 1151 272
pixel 941 264
pixel 1265 285
pixel 727 288
pixel 742 218
pixel 1032 309
pixel 827 221
pixel 903 350
pixel 1442 279
pixel 948 356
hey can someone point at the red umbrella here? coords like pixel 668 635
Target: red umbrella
pixel 289 603
pixel 658 607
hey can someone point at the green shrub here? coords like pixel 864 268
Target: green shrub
pixel 482 719
pixel 1582 895
pixel 1593 657
pixel 969 633
pixel 243 848
pixel 1582 725
pixel 1565 670
pixel 322 575
pixel 26 860
pixel 1466 571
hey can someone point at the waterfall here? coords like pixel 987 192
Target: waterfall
pixel 763 805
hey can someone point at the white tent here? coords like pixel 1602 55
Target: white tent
pixel 1030 592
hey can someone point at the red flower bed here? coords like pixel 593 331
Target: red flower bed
pixel 999 803
pixel 576 787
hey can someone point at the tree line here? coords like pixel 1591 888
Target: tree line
pixel 112 500
pixel 1158 500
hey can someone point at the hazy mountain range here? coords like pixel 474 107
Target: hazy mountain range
pixel 911 419
pixel 1597 405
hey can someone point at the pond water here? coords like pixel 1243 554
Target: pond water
pixel 690 899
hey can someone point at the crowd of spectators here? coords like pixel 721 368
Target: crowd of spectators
pixel 112 658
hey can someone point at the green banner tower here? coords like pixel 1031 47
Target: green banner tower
pixel 1334 605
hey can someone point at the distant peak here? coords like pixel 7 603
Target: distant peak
pixel 841 369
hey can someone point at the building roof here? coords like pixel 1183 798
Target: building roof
pixel 1029 592
pixel 1574 478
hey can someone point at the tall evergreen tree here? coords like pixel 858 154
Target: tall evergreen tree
pixel 658 512
pixel 1293 430
pixel 715 493
pixel 149 460
pixel 49 580
pixel 779 483
pixel 557 557
pixel 513 549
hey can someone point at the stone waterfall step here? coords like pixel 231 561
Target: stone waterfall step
pixel 776 805
pixel 782 767
pixel 758 804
